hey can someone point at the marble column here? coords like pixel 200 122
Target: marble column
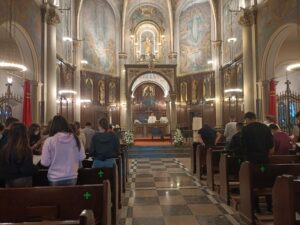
pixel 77 64
pixel 123 98
pixel 52 19
pixel 173 123
pixel 217 45
pixel 247 21
pixel 168 110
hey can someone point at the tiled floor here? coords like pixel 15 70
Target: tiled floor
pixel 162 192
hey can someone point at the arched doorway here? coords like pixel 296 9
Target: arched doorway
pixel 150 93
pixel 282 50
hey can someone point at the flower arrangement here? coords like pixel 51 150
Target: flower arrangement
pixel 128 137
pixel 178 138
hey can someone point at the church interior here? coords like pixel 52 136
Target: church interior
pixel 163 74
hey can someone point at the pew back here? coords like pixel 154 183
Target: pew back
pixel 55 203
pixel 98 176
pixel 259 177
pixel 286 200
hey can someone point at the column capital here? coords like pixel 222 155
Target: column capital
pixel 76 43
pixel 247 17
pixel 216 43
pixel 122 55
pixel 50 14
pixel 173 96
pixel 172 55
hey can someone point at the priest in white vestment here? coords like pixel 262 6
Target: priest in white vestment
pixel 152 118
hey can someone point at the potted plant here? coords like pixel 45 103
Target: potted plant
pixel 177 138
pixel 128 137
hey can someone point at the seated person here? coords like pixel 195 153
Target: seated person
pixel 163 119
pixel 235 145
pixel 282 142
pixel 152 118
pixel 207 135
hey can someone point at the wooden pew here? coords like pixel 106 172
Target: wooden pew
pixel 284 159
pixel 257 180
pixel 86 218
pixel 98 176
pixel 200 160
pixel 212 165
pixel 193 157
pixel 87 163
pixel 286 200
pixel 229 176
pixel 55 203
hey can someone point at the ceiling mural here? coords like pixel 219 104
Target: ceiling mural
pixel 98 28
pixel 195 37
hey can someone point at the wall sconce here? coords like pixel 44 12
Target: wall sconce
pixel 67 39
pixel 293 66
pixel 232 40
pixel 233 90
pixel 85 62
pixel 9 80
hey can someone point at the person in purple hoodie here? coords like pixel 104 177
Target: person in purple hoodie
pixel 62 152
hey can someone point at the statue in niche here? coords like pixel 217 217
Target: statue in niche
pixel 89 87
pixel 183 91
pixel 112 92
pixel 101 86
pixel 227 79
pixel 194 91
pixel 148 46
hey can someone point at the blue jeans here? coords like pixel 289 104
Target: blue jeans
pixel 105 163
pixel 68 182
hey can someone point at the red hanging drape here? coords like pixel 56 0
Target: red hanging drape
pixel 272 98
pixel 27 104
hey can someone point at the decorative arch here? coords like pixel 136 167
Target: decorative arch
pixel 21 36
pixel 154 78
pixel 271 51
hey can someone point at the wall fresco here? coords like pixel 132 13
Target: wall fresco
pixel 98 29
pixel 231 28
pixel 195 36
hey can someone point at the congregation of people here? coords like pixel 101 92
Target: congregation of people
pixel 59 146
pixel 252 140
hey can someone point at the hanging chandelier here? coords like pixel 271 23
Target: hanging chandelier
pixel 10 59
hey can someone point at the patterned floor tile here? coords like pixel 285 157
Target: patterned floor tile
pixel 176 210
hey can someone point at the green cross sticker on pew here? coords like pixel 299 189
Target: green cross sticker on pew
pixel 262 168
pixel 87 195
pixel 101 173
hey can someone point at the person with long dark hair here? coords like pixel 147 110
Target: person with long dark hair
pixel 105 146
pixel 16 165
pixel 35 138
pixel 62 152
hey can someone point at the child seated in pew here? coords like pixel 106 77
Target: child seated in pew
pixel 105 146
pixel 62 152
pixel 16 166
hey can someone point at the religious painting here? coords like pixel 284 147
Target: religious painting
pixel 183 91
pixel 89 89
pixel 194 91
pixel 148 95
pixel 231 28
pixel 112 92
pixel 98 27
pixel 101 93
pixel 195 37
pixel 227 78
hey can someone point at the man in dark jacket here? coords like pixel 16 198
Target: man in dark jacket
pixel 105 146
pixel 257 140
pixel 235 145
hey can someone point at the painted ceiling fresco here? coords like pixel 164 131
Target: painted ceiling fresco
pixel 231 28
pixel 195 36
pixel 98 28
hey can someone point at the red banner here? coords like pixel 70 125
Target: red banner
pixel 272 98
pixel 27 104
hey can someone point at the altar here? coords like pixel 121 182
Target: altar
pixel 145 129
